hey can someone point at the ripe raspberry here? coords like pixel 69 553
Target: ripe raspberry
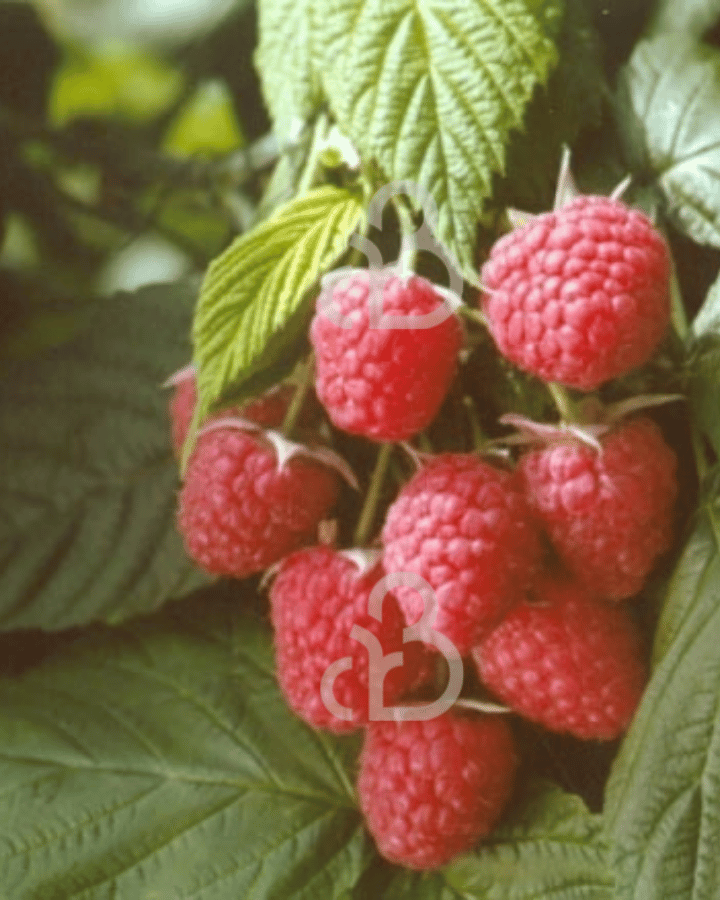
pixel 268 410
pixel 566 661
pixel 430 790
pixel 317 597
pixel 608 514
pixel 385 383
pixel 580 295
pixel 239 511
pixel 467 529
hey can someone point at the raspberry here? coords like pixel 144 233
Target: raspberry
pixel 382 382
pixel 609 513
pixel 268 410
pixel 430 790
pixel 580 295
pixel 317 597
pixel 239 511
pixel 567 661
pixel 467 529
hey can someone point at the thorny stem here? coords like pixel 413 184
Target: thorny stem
pixel 301 391
pixel 367 515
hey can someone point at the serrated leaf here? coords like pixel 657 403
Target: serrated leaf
pixel 255 291
pixel 550 846
pixel 705 368
pixel 160 761
pixel 690 17
pixel 432 89
pixel 663 798
pixel 669 116
pixel 89 483
pixel 286 61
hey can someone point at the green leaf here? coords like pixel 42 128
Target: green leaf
pixel 669 116
pixel 691 17
pixel 160 761
pixel 114 82
pixel 707 320
pixel 287 61
pixel 254 292
pixel 663 798
pixel 705 368
pixel 89 483
pixel 206 125
pixel 432 90
pixel 550 846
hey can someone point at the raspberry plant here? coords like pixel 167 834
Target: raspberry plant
pixel 181 567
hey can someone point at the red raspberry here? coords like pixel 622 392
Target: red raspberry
pixel 580 295
pixel 566 661
pixel 608 514
pixel 430 790
pixel 386 383
pixel 317 597
pixel 239 511
pixel 467 529
pixel 268 410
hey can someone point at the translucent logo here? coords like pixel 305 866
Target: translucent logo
pixel 379 664
pixel 423 239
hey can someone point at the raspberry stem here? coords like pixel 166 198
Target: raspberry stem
pixel 408 245
pixel 307 179
pixel 296 404
pixel 564 404
pixel 478 438
pixel 369 510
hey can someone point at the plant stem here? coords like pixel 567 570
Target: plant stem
pixel 562 401
pixel 677 307
pixel 367 515
pixel 296 404
pixel 408 246
pixel 478 438
pixel 311 165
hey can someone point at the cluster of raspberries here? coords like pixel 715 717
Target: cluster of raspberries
pixel 526 563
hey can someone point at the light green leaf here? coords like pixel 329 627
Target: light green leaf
pixel 206 125
pixel 88 490
pixel 254 292
pixel 432 89
pixel 288 63
pixel 705 368
pixel 669 116
pixel 160 761
pixel 689 17
pixel 115 82
pixel 663 798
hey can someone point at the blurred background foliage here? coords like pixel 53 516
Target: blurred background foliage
pixel 135 144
